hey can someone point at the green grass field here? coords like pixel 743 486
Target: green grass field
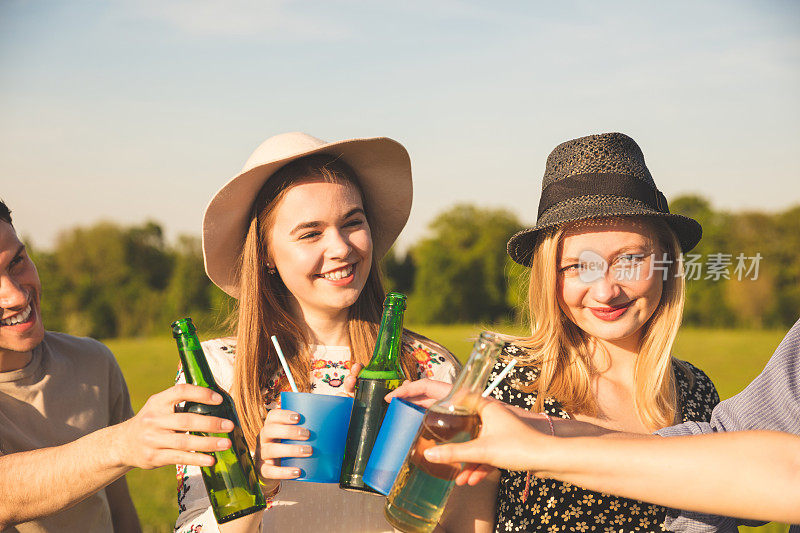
pixel 732 358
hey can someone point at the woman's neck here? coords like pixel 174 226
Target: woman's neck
pixel 614 365
pixel 616 359
pixel 324 327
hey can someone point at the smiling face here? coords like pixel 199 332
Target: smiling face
pixel 606 284
pixel 21 328
pixel 321 246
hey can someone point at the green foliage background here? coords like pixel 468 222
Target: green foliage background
pixel 112 281
pixel 460 269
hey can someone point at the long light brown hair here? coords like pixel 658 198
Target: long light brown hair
pixel 562 350
pixel 263 306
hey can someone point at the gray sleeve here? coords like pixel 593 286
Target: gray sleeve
pixel 686 429
pixel 120 408
pixel 770 402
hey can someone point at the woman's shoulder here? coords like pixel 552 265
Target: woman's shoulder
pixel 514 349
pixel 690 376
pixel 525 371
pixel 526 366
pixel 433 360
pixel 415 341
pixel 221 345
pixel 696 392
pixel 220 354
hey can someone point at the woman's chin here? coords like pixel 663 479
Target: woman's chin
pixel 613 332
pixel 343 299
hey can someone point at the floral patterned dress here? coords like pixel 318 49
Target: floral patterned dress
pixel 303 506
pixel 553 505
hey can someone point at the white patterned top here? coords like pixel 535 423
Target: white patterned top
pixel 300 505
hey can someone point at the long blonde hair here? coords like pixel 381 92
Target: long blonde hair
pixel 263 306
pixel 562 350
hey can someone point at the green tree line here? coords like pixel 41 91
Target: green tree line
pixel 109 280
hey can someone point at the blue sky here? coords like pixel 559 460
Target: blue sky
pixel 137 109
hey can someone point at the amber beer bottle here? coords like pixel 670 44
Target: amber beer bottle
pixel 381 376
pixel 232 483
pixel 419 493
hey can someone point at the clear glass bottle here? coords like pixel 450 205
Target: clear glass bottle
pixel 420 492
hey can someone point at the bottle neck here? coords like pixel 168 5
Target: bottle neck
pixel 466 392
pixel 386 356
pixel 193 360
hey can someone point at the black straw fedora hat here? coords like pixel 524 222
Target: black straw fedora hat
pixel 595 177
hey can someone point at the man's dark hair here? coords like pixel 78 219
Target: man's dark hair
pixel 5 212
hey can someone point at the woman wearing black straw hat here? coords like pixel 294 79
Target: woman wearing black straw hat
pixel 606 297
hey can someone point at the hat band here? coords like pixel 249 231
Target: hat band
pixel 594 184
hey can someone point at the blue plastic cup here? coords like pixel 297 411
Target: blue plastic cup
pixel 400 426
pixel 326 418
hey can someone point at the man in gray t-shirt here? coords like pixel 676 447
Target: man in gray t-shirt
pixel 67 434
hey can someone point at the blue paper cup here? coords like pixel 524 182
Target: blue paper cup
pixel 326 418
pixel 400 426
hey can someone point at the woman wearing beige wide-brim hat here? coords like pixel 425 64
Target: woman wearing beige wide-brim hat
pixel 295 237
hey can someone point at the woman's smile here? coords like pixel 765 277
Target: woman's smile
pixel 610 314
pixel 340 276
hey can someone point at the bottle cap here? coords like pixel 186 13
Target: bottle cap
pixel 395 299
pixel 183 326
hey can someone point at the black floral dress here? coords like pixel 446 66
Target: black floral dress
pixel 552 505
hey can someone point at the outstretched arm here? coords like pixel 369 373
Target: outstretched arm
pixel 748 474
pixel 753 474
pixel 154 437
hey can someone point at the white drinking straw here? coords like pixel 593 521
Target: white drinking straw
pixel 284 363
pixel 493 385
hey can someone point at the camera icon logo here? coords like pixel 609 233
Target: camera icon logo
pixel 592 266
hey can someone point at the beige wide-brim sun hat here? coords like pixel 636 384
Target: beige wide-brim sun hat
pixel 383 170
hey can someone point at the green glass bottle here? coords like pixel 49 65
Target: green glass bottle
pixel 381 376
pixel 421 490
pixel 232 483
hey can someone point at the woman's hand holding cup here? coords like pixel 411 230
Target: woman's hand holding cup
pixel 279 424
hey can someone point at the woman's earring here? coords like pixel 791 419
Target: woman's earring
pixel 271 269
